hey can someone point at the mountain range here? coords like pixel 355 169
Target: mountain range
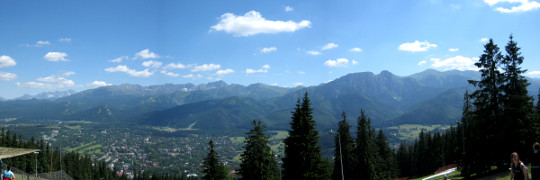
pixel 428 97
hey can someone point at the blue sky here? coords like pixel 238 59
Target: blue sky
pixel 61 45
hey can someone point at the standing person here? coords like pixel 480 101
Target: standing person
pixel 535 162
pixel 8 175
pixel 518 170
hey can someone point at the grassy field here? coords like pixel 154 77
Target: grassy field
pixel 409 132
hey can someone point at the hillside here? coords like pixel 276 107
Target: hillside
pixel 428 97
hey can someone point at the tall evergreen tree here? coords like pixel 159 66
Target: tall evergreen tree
pixel 302 151
pixel 365 167
pixel 487 101
pixel 257 159
pixel 386 166
pixel 518 105
pixel 347 154
pixel 213 169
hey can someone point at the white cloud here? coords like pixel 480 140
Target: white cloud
pixel 43 43
pixel 6 61
pixel 5 76
pixel 524 5
pixel 98 84
pixel 67 74
pixel 198 76
pixel 222 72
pixel 268 49
pixel 253 23
pixel 329 46
pixel 263 70
pixel 50 82
pixel 453 49
pixel 356 50
pixel 416 46
pixel 65 40
pixel 341 62
pixel 39 44
pixel 175 66
pixel 206 67
pixel 131 72
pixel 484 40
pixel 55 56
pixel 152 64
pixel 146 54
pixel 288 9
pixel 169 73
pixel 421 63
pixel 315 53
pixel 457 62
pixel 119 59
pixel 533 73
pixel 298 84
pixel 354 62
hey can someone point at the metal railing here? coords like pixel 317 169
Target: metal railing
pixel 21 175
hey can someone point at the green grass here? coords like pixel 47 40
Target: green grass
pixel 279 135
pixel 76 127
pixel 237 140
pixel 409 132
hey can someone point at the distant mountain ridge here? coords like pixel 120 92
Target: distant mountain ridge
pixel 428 97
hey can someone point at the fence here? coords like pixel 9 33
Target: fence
pixel 21 175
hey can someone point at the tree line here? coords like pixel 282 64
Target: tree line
pixel 498 118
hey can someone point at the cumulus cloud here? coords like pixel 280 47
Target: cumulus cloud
pixel 356 50
pixel 524 5
pixel 206 67
pixel 6 61
pixel 268 49
pixel 315 53
pixel 263 70
pixel 175 66
pixel 298 83
pixel 457 62
pixel 152 64
pixel 289 9
pixel 50 82
pixel 5 76
pixel 253 23
pixel 98 84
pixel 416 46
pixel 65 40
pixel 55 56
pixel 119 59
pixel 340 62
pixel 169 73
pixel 131 72
pixel 354 62
pixel 484 40
pixel 533 73
pixel 222 72
pixel 421 63
pixel 146 54
pixel 329 46
pixel 453 49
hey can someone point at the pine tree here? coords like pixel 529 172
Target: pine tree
pixel 365 167
pixel 387 164
pixel 518 105
pixel 487 104
pixel 347 148
pixel 214 170
pixel 302 152
pixel 257 159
